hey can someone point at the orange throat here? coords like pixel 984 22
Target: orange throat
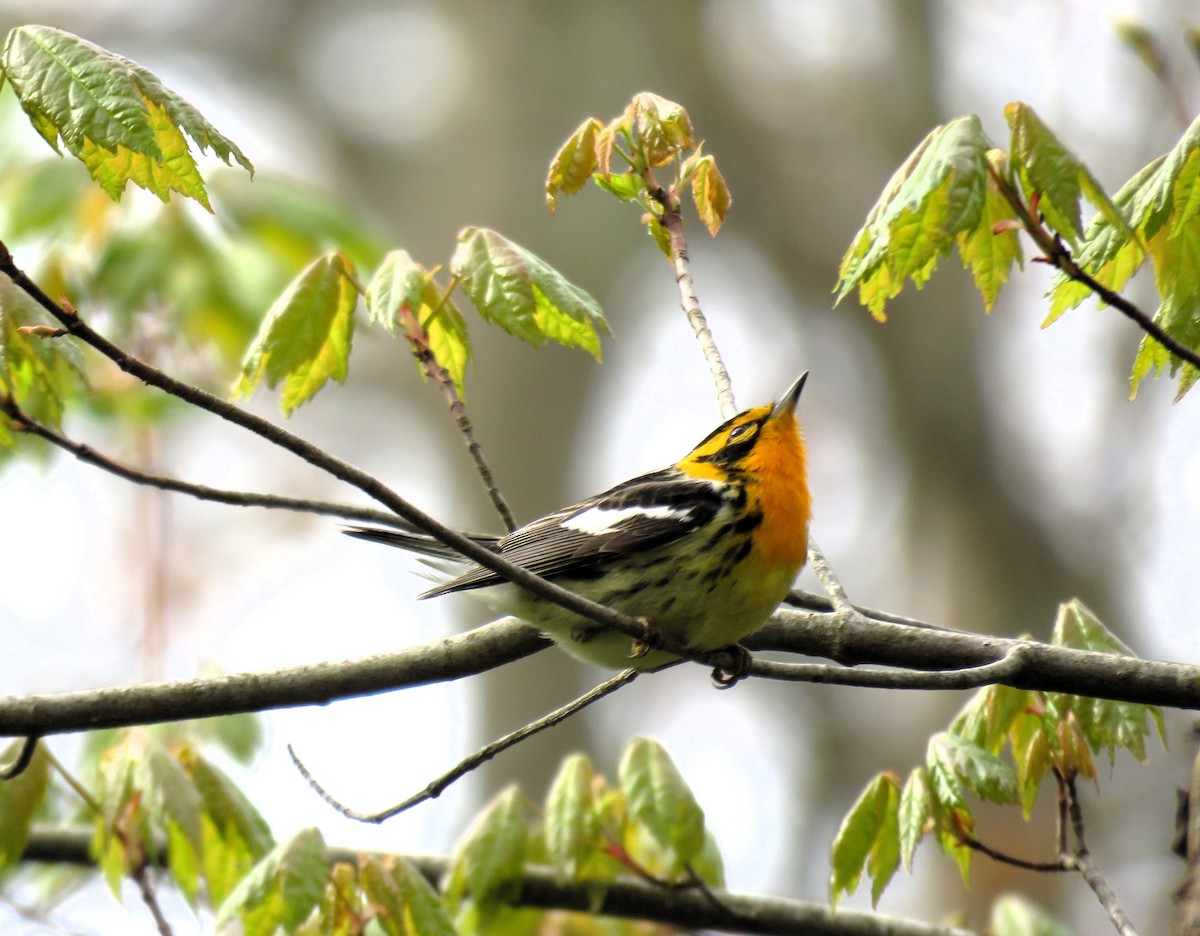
pixel 781 488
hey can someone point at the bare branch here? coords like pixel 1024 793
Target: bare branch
pixel 23 422
pixel 971 677
pixel 1041 666
pixel 975 845
pixel 436 787
pixel 1036 666
pixel 672 220
pixel 315 684
pixel 1081 860
pixel 542 888
pixel 23 759
pixel 418 339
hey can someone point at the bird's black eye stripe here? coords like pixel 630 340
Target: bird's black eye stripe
pixel 740 440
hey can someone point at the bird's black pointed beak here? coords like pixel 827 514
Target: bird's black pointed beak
pixel 787 403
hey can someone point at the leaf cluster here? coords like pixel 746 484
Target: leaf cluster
pixel 167 804
pixel 959 190
pixel 999 749
pixel 650 134
pixel 124 125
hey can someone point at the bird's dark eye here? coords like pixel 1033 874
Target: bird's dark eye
pixel 744 431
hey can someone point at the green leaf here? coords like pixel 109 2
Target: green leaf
pixel 661 129
pixel 711 194
pixel 20 799
pixel 112 114
pixel 304 340
pixel 626 186
pixel 282 889
pixel 574 162
pixel 402 283
pixel 1111 253
pixel 571 824
pixel 523 294
pixel 869 838
pixel 938 193
pixel 984 774
pixel 173 805
pixel 660 801
pixel 490 860
pixel 235 835
pixel 41 373
pixel 914 814
pixel 1031 753
pixel 989 251
pixel 1106 725
pixel 1013 915
pixel 405 904
pixel 987 717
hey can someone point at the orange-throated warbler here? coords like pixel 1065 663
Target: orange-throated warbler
pixel 703 550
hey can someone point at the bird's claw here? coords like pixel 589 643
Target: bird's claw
pixel 647 642
pixel 727 678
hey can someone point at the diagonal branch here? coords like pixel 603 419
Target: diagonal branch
pixel 315 456
pixel 436 787
pixel 1080 860
pixel 23 422
pixel 418 339
pixel 672 220
pixel 1055 253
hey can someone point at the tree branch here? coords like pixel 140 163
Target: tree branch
pixel 1042 667
pixel 672 220
pixel 1058 256
pixel 23 759
pixel 315 456
pixel 1033 666
pixel 1081 860
pixel 436 787
pixel 542 889
pixel 418 339
pixel 316 684
pixel 23 422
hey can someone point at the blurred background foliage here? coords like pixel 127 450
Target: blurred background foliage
pixel 967 469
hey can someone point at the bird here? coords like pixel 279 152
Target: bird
pixel 703 550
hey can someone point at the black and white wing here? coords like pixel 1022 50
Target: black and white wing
pixel 577 541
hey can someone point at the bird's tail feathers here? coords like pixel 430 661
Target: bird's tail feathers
pixel 420 543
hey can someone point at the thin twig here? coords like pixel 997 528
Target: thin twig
pixel 436 787
pixel 141 876
pixel 975 845
pixel 672 220
pixel 1057 255
pixel 341 470
pixel 828 578
pixel 23 759
pixel 418 339
pixel 1081 860
pixel 23 422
